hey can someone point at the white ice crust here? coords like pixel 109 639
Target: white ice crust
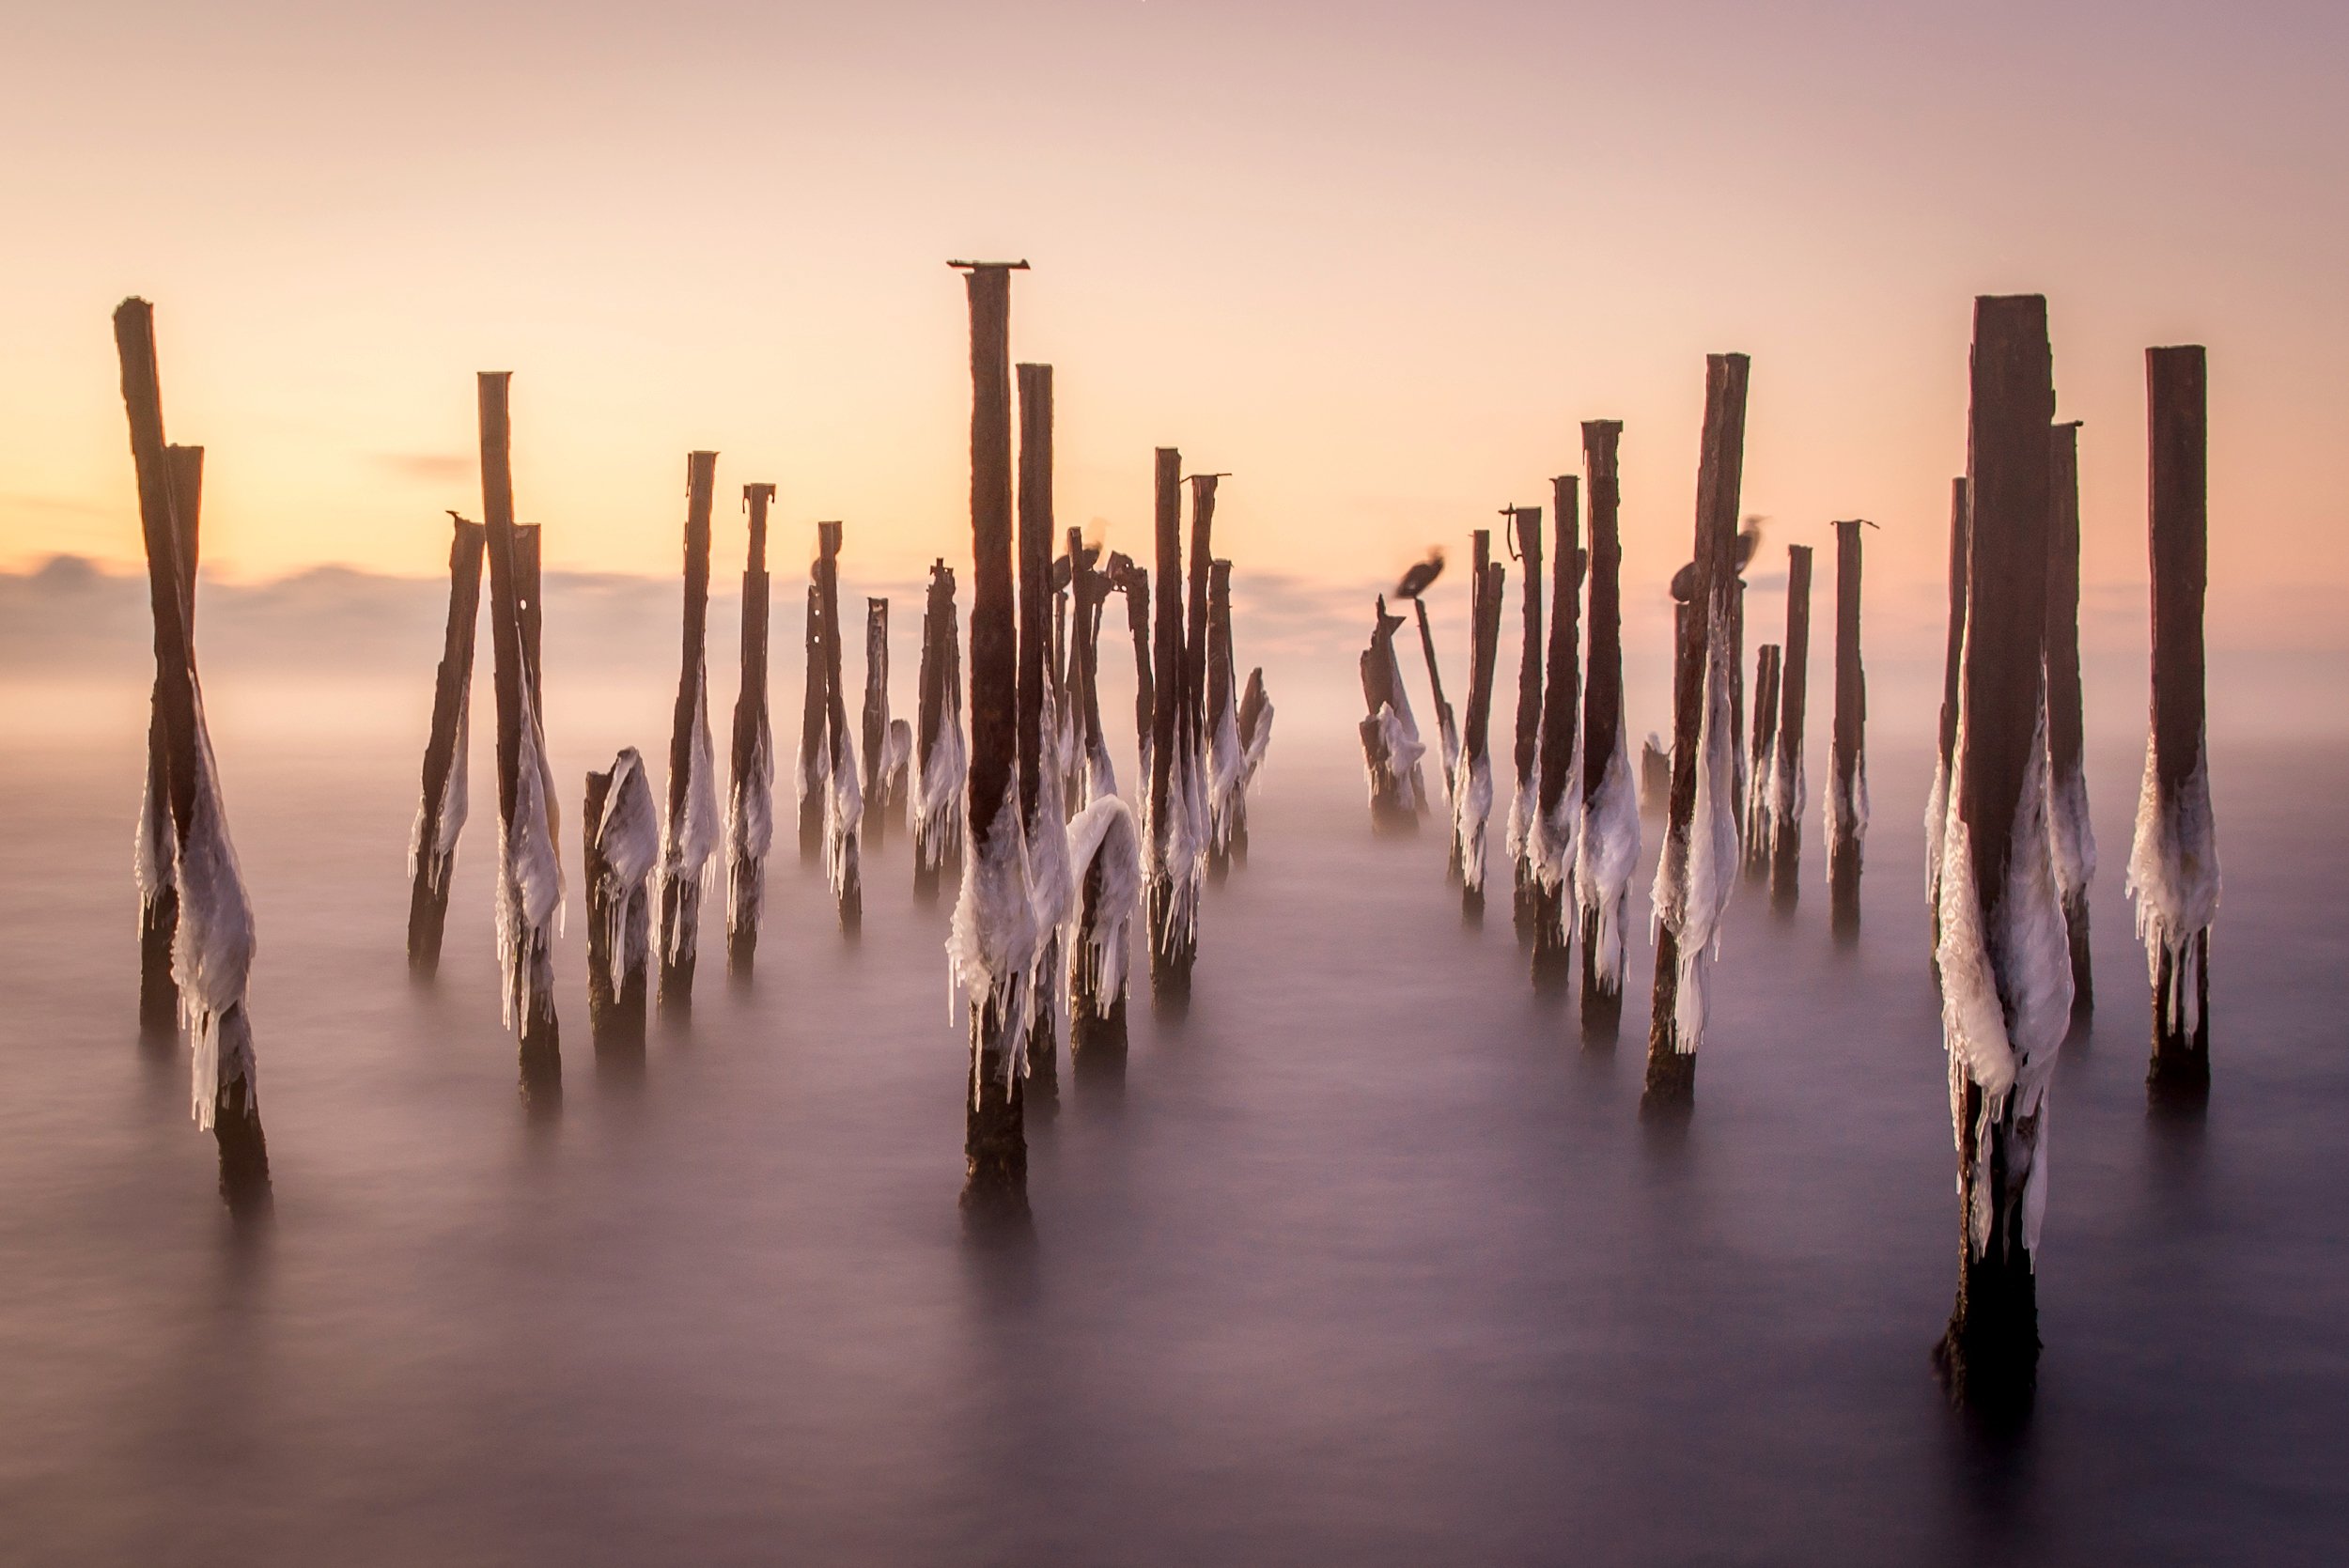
pixel 1694 877
pixel 2173 879
pixel 627 837
pixel 1471 810
pixel 530 875
pixel 211 955
pixel 1607 853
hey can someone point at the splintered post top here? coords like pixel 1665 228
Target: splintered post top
pixel 983 266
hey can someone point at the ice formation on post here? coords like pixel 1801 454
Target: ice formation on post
pixel 993 942
pixel 750 832
pixel 1606 854
pixel 689 841
pixel 813 774
pixel 2174 881
pixel 212 953
pixel 941 760
pixel 692 829
pixel 621 831
pixel 938 822
pixel 1525 524
pixel 529 878
pixel 1105 868
pixel 1391 748
pixel 1697 872
pixel 1051 886
pixel 843 812
pixel 750 828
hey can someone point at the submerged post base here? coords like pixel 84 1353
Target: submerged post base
pixel 995 1145
pixel 243 1152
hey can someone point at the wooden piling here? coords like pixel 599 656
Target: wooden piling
pixel 2173 865
pixel 1037 722
pixel 1606 764
pixel 1559 806
pixel 995 1144
pixel 520 744
pixel 431 861
pixel 1769 668
pixel 751 789
pixel 1990 1351
pixel 1447 724
pixel 2073 836
pixel 938 829
pixel 1670 1087
pixel 877 799
pixel 1133 582
pixel 1953 668
pixel 1221 716
pixel 159 850
pixel 1471 799
pixel 1848 799
pixel 1525 525
pixel 619 845
pixel 1789 783
pixel 843 828
pixel 687 836
pixel 815 748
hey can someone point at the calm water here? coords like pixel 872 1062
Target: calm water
pixel 1370 1262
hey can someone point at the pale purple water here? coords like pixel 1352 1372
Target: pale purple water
pixel 1372 1263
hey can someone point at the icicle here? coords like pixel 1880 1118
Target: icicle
pixel 1607 853
pixel 939 806
pixel 991 942
pixel 1471 810
pixel 2174 880
pixel 1693 880
pixel 1104 837
pixel 2006 989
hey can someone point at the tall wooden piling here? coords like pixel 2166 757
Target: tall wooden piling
pixel 1953 669
pixel 941 762
pixel 1789 782
pixel 1692 881
pixel 1525 526
pixel 2005 1007
pixel 432 853
pixel 1472 791
pixel 526 844
pixel 2072 837
pixel 877 794
pixel 1447 724
pixel 750 790
pixel 995 1145
pixel 1221 720
pixel 159 843
pixel 690 830
pixel 1040 811
pixel 843 797
pixel 225 1093
pixel 1848 790
pixel 1608 846
pixel 1133 581
pixel 1770 667
pixel 814 778
pixel 1558 813
pixel 2173 864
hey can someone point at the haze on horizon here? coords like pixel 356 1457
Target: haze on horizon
pixel 1377 261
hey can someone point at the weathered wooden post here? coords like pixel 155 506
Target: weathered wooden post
pixel 2006 984
pixel 619 845
pixel 1953 668
pixel 212 938
pixel 1132 580
pixel 158 854
pixel 1557 824
pixel 432 847
pixel 1847 790
pixel 1391 745
pixel 2173 862
pixel 844 794
pixel 2072 835
pixel 1171 884
pixel 690 832
pixel 751 792
pixel 1525 527
pixel 993 946
pixel 1768 667
pixel 937 819
pixel 815 774
pixel 875 717
pixel 1225 760
pixel 1607 849
pixel 1045 824
pixel 1696 872
pixel 1789 782
pixel 1414 587
pixel 1473 789
pixel 530 878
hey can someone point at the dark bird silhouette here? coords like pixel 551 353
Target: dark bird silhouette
pixel 1421 577
pixel 1749 540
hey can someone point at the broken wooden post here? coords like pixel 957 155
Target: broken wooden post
pixel 1473 789
pixel 1607 851
pixel 1223 758
pixel 1391 745
pixel 1104 851
pixel 529 878
pixel 212 938
pixel 432 847
pixel 619 846
pixel 993 946
pixel 1697 870
pixel 1953 667
pixel 1255 741
pixel 815 772
pixel 1090 585
pixel 844 795
pixel 2173 862
pixel 1414 587
pixel 938 813
pixel 2072 835
pixel 688 833
pixel 1044 823
pixel 1848 788
pixel 1768 667
pixel 2006 984
pixel 1525 528
pixel 1789 782
pixel 875 716
pixel 1558 805
pixel 1175 825
pixel 158 853
pixel 1132 580
pixel 751 788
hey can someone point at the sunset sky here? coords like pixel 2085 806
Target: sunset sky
pixel 1378 260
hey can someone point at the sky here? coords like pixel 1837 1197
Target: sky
pixel 1377 261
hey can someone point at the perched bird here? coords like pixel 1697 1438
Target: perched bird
pixel 1421 577
pixel 1749 540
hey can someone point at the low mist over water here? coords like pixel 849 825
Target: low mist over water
pixel 1367 1261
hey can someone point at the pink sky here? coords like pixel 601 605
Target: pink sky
pixel 1377 261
